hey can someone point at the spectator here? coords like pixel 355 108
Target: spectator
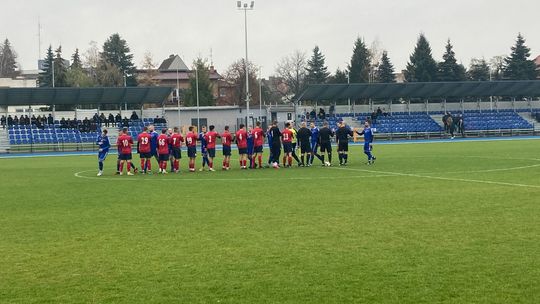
pixel 3 121
pixel 322 113
pixel 332 110
pixel 374 117
pixel 384 112
pixel 15 120
pixel 9 121
pixel 379 112
pixel 313 114
pixel 63 123
pixel 33 120
pixel 110 120
pixel 102 119
pixel 125 122
pixel 50 119
pixel 134 116
pixel 460 125
pixel 445 122
pixel 450 123
pixel 118 119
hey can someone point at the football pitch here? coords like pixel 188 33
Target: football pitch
pixel 427 223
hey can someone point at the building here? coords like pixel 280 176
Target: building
pixel 173 72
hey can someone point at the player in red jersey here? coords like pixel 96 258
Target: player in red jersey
pixel 163 151
pixel 226 141
pixel 286 139
pixel 143 148
pixel 241 143
pixel 258 142
pixel 176 143
pixel 211 137
pixel 191 143
pixel 124 143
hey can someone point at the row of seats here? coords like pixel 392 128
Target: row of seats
pixel 54 134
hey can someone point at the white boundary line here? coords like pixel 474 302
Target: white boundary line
pixel 182 175
pixel 444 178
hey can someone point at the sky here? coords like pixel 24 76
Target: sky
pixel 276 28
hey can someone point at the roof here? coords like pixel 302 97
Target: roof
pixel 78 96
pixel 173 63
pixel 420 90
pixel 183 76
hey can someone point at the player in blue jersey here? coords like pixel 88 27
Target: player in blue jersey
pixel 204 150
pixel 314 144
pixel 250 147
pixel 104 145
pixel 368 142
pixel 269 137
pixel 153 142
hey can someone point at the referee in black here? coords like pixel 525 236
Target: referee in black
pixel 302 136
pixel 275 148
pixel 325 138
pixel 342 138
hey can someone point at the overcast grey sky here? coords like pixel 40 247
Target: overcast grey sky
pixel 477 28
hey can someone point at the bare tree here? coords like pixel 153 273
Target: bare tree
pixel 150 70
pixel 496 65
pixel 375 51
pixel 91 56
pixel 292 70
pixel 236 75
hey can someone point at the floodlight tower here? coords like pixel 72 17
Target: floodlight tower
pixel 245 7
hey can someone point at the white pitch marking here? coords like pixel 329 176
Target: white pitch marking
pixel 78 174
pixel 445 178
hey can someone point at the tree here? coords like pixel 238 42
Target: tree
pixel 496 65
pixel 479 70
pixel 150 71
pixel 60 69
pixel 317 72
pixel 45 78
pixel 360 66
pixel 449 69
pixel 340 76
pixel 385 72
pixel 517 65
pixel 202 71
pixel 421 66
pixel 109 75
pixel 8 60
pixel 292 70
pixel 117 53
pixel 76 62
pixel 77 77
pixel 236 75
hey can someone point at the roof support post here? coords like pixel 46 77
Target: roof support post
pixel 409 106
pixel 461 105
pixel 478 105
pixel 426 104
pixel 514 104
pixel 444 105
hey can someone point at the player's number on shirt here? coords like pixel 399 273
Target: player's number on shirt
pixel 240 136
pixel 209 139
pixel 174 141
pixel 125 143
pixel 144 140
pixel 162 142
pixel 189 140
pixel 285 136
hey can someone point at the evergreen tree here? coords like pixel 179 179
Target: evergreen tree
pixel 385 72
pixel 479 70
pixel 317 70
pixel 76 62
pixel 421 66
pixel 360 65
pixel 117 52
pixel 449 69
pixel 8 60
pixel 46 76
pixel 206 98
pixel 517 65
pixel 340 76
pixel 60 69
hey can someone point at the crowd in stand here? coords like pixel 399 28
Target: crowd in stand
pixel 86 125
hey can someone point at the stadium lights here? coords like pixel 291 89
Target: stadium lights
pixel 244 6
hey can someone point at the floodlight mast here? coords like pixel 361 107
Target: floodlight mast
pixel 244 6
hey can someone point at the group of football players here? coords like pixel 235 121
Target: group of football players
pixel 166 147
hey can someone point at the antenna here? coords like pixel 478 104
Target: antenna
pixel 211 57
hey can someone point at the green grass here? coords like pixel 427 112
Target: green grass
pixel 428 223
